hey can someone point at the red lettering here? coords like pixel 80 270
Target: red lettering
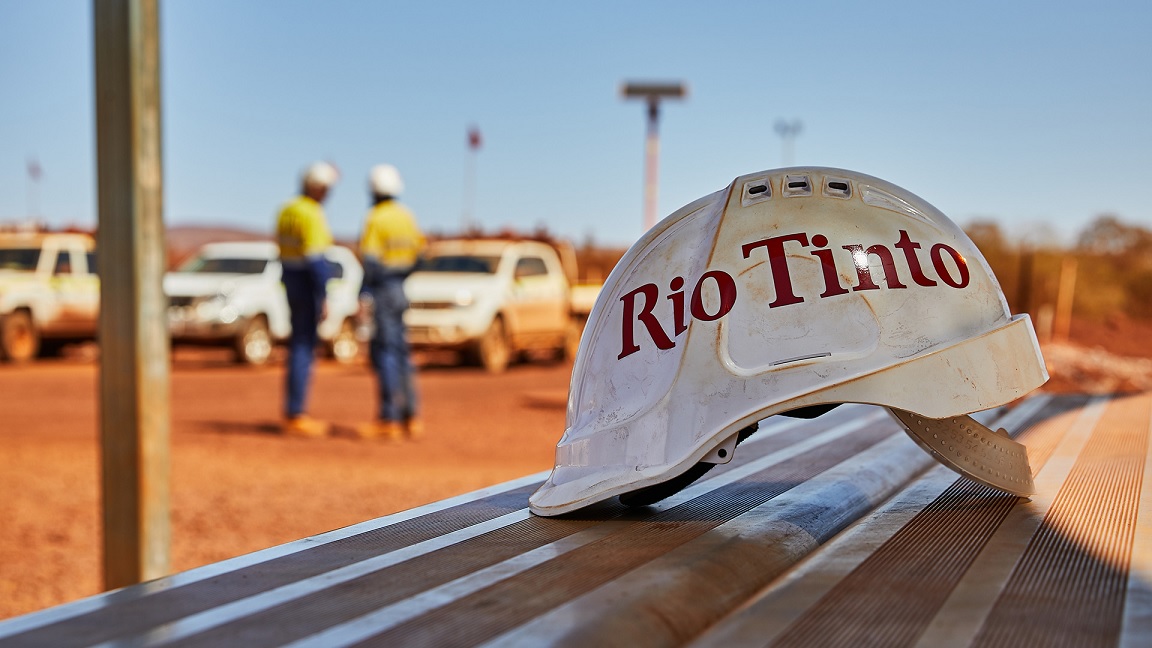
pixel 955 274
pixel 778 262
pixel 832 284
pixel 677 299
pixel 628 344
pixel 909 248
pixel 864 270
pixel 891 277
pixel 937 254
pixel 727 288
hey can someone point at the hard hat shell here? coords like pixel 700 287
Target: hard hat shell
pixel 384 180
pixel 790 288
pixel 322 174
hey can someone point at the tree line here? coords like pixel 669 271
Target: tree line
pixel 1106 273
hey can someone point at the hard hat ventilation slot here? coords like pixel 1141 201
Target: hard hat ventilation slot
pixel 756 190
pixel 797 186
pixel 837 188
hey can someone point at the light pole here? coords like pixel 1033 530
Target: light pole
pixel 787 132
pixel 652 93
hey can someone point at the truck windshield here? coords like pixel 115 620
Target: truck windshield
pixel 225 265
pixel 459 263
pixel 19 258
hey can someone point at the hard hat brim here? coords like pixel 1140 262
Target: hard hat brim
pixel 910 386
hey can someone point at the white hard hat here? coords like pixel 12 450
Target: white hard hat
pixel 385 180
pixel 321 174
pixel 790 291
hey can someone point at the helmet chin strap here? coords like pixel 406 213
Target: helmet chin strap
pixel 969 448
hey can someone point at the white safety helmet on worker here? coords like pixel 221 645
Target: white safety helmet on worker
pixel 384 180
pixel 321 174
pixel 790 290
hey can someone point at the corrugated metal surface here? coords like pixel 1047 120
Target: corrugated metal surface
pixel 834 531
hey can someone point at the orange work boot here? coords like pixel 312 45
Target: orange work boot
pixel 415 428
pixel 384 430
pixel 305 426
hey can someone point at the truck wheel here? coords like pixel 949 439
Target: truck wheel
pixel 19 339
pixel 52 348
pixel 254 345
pixel 494 352
pixel 345 347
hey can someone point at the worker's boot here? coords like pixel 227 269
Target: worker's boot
pixel 305 426
pixel 414 428
pixel 381 430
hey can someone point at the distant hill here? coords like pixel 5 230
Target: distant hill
pixel 594 262
pixel 184 240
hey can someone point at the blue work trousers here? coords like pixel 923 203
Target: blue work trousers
pixel 389 350
pixel 305 303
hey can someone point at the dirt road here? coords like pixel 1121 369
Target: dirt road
pixel 237 485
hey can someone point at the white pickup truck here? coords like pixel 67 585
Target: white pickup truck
pixel 492 300
pixel 49 292
pixel 230 294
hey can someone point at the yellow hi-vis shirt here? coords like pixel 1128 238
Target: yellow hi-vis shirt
pixel 391 236
pixel 302 229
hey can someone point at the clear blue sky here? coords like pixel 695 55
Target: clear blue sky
pixel 1038 114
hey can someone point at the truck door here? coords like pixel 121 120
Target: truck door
pixel 77 293
pixel 538 296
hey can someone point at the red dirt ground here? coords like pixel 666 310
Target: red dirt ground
pixel 237 486
pixel 1115 355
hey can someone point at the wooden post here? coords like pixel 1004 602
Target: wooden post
pixel 1024 283
pixel 134 371
pixel 1064 298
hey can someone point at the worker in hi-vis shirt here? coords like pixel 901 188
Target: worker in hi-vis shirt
pixel 389 247
pixel 303 235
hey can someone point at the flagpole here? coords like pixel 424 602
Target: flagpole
pixel 467 215
pixel 469 190
pixel 33 189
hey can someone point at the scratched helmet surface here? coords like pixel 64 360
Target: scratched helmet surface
pixel 789 291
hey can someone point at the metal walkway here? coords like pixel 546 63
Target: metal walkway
pixel 837 531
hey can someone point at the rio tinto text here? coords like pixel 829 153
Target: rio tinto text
pixel 948 267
